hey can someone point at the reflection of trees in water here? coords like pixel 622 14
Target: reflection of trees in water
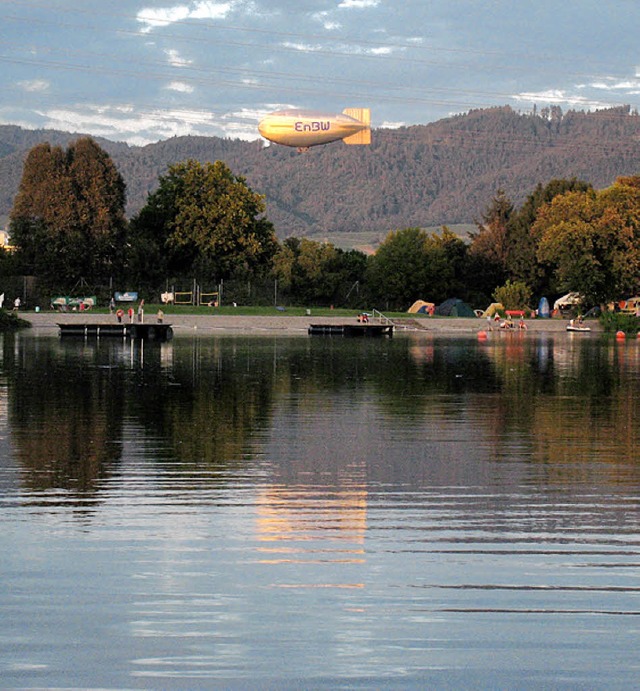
pixel 65 414
pixel 204 402
pixel 69 400
pixel 216 396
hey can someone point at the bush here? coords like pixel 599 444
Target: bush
pixel 619 321
pixel 11 322
pixel 514 296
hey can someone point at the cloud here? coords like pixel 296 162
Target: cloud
pixel 175 59
pixel 126 123
pixel 559 96
pixel 612 84
pixel 327 23
pixel 180 86
pixel 358 4
pixel 34 85
pixel 341 49
pixel 153 18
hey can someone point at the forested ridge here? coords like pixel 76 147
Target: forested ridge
pixel 426 175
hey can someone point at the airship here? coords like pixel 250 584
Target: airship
pixel 305 128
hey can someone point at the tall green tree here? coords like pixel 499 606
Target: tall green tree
pixel 592 240
pixel 67 221
pixel 522 244
pixel 315 273
pixel 397 274
pixel 202 219
pixel 412 264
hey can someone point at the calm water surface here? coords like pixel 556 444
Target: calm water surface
pixel 299 512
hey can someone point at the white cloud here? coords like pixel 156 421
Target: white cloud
pixel 34 85
pixel 612 85
pixel 124 123
pixel 344 49
pixel 152 18
pixel 358 4
pixel 210 10
pixel 180 86
pixel 175 59
pixel 327 23
pixel 302 47
pixel 560 97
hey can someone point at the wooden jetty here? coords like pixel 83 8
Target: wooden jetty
pixel 140 332
pixel 351 330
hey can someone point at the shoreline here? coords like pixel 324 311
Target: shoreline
pixel 45 322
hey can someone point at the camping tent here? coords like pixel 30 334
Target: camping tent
pixel 421 307
pixel 454 307
pixel 567 301
pixel 492 309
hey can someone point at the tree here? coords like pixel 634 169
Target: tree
pixel 592 241
pixel 317 273
pixel 67 221
pixel 203 219
pixel 522 244
pixel 489 247
pixel 397 273
pixel 491 240
pixel 514 295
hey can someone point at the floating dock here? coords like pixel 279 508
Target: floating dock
pixel 144 332
pixel 351 330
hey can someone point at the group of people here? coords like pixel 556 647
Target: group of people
pixel 508 322
pixel 119 312
pixel 130 313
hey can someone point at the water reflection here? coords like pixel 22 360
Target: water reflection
pixel 319 512
pixel 203 403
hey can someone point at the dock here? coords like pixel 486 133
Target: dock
pixel 140 332
pixel 351 330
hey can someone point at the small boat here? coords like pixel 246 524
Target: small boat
pixel 578 328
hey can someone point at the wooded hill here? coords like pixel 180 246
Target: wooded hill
pixel 445 172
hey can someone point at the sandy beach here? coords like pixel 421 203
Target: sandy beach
pixel 44 322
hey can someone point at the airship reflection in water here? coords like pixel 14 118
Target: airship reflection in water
pixel 305 128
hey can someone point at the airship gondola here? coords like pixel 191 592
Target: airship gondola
pixel 305 128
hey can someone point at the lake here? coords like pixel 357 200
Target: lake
pixel 294 512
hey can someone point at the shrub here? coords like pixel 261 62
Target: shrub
pixel 619 321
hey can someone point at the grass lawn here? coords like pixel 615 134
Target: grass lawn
pixel 246 310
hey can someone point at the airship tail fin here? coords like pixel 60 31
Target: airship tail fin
pixel 364 116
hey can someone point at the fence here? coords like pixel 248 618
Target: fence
pixel 258 292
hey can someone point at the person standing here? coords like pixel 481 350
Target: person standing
pixel 16 304
pixel 141 312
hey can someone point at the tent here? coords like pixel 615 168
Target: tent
pixel 567 301
pixel 492 309
pixel 421 307
pixel 543 308
pixel 454 307
pixel 631 305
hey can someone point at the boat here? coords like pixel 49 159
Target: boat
pixel 580 328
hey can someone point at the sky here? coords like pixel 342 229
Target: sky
pixel 140 71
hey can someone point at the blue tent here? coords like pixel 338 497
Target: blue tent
pixel 543 308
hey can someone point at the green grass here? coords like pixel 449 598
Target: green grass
pixel 151 309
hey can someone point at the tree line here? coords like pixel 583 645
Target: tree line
pixel 204 223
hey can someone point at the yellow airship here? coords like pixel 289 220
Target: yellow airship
pixel 305 128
